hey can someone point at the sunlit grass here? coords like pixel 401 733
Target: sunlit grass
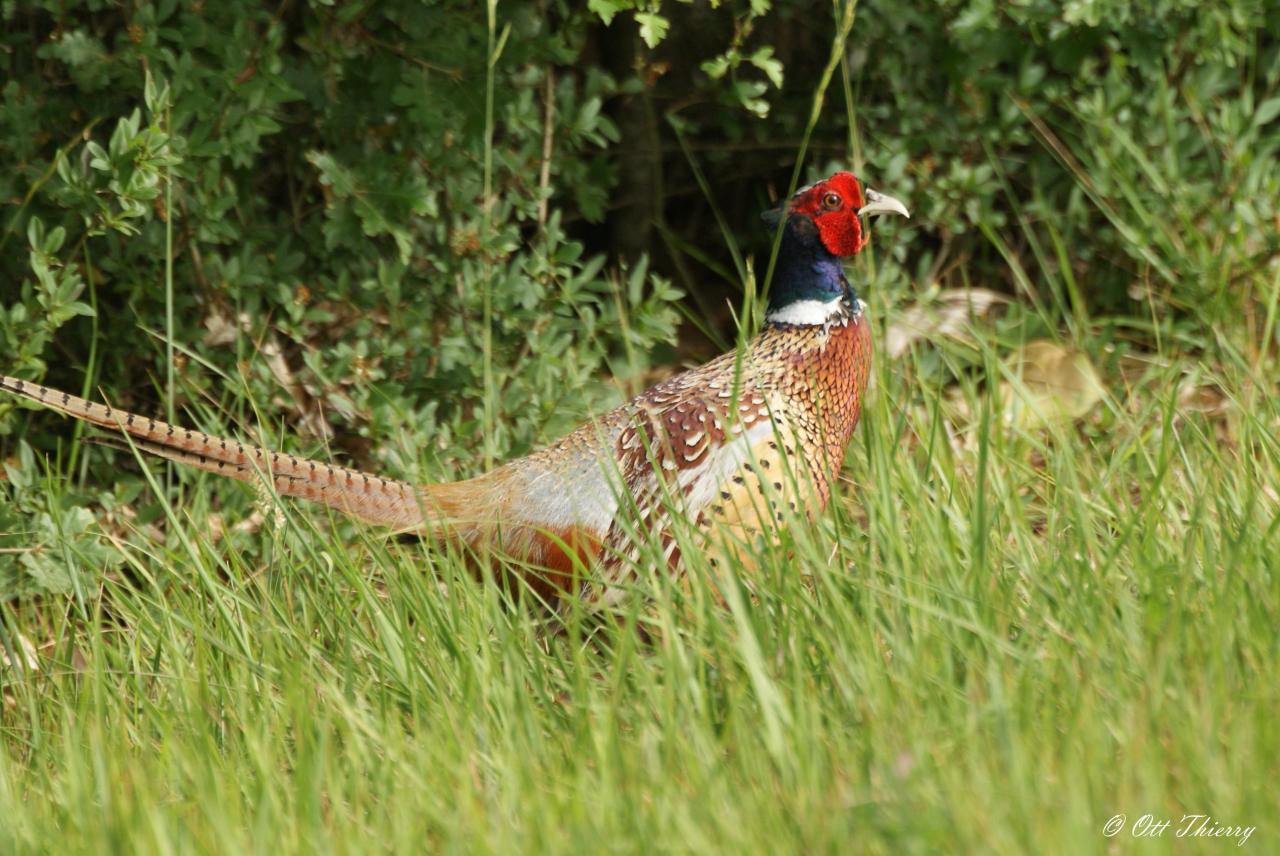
pixel 1092 634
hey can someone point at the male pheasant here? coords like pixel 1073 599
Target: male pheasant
pixel 733 445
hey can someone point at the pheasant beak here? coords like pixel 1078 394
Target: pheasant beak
pixel 876 203
pixel 879 203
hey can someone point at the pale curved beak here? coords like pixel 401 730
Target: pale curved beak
pixel 879 203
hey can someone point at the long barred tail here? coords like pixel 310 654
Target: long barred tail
pixel 371 498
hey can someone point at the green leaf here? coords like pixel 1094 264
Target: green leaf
pixel 716 68
pixel 653 27
pixel 607 9
pixel 1267 111
pixel 98 157
pixel 53 242
pixel 155 94
pixel 35 233
pixel 764 60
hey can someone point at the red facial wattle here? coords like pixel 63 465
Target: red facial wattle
pixel 833 206
pixel 841 232
pixel 832 209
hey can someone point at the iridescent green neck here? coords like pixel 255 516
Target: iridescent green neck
pixel 809 286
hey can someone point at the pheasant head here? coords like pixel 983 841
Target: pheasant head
pixel 822 225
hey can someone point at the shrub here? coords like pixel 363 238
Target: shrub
pixel 359 241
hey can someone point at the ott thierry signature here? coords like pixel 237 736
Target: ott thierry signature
pixel 1188 826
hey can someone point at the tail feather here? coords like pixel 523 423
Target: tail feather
pixel 371 498
pixel 483 514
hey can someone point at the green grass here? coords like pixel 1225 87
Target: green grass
pixel 996 641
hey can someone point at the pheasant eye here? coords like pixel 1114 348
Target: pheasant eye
pixel 832 200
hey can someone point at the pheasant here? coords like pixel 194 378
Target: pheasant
pixel 733 446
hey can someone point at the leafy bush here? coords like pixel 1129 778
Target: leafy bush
pixel 1134 137
pixel 356 239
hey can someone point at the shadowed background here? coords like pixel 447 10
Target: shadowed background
pixel 333 247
